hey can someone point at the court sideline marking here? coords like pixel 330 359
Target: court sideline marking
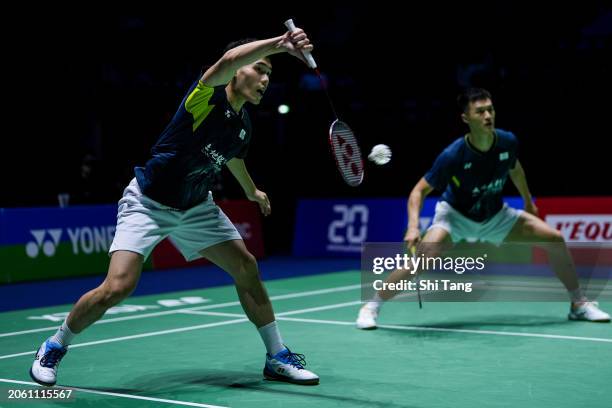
pixel 115 394
pixel 214 306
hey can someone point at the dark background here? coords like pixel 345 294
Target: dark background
pixel 98 86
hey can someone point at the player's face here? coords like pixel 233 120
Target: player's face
pixel 480 116
pixel 252 80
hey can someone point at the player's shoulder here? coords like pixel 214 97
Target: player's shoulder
pixel 455 147
pixel 451 153
pixel 505 137
pixel 215 93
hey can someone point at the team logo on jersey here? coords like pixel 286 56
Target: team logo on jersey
pixel 242 134
pixel 494 187
pixel 216 158
pixel 228 114
pixel 467 166
pixel 503 156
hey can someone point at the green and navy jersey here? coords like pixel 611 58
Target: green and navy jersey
pixel 472 180
pixel 203 135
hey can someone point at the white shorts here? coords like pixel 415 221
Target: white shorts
pixel 461 228
pixel 142 223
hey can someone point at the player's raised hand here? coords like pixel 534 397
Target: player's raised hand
pixel 296 42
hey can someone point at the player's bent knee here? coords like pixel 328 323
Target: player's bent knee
pixel 556 236
pixel 547 233
pixel 246 268
pixel 431 250
pixel 249 265
pixel 114 293
pixel 110 299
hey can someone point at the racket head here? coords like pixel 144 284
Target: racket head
pixel 346 152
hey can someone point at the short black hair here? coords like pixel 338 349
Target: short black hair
pixel 472 95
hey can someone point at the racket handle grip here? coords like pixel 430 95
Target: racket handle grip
pixel 311 62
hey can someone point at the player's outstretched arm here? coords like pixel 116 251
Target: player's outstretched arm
pixel 415 203
pixel 224 69
pixel 238 169
pixel 517 175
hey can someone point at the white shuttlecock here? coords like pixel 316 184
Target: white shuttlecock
pixel 380 154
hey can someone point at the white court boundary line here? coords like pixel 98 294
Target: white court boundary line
pixel 197 312
pixel 241 319
pixel 442 329
pixel 281 316
pixel 114 394
pixel 138 336
pixel 214 306
pixel 313 309
pixel 236 303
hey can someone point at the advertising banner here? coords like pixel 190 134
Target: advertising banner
pixel 49 243
pixel 338 228
pixel 582 220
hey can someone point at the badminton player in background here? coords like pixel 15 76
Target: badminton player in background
pixel 472 172
pixel 170 197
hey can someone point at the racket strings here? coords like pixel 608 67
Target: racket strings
pixel 347 152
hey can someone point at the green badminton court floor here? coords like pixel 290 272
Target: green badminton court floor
pixel 196 348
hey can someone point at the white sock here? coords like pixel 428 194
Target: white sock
pixel 577 295
pixel 375 303
pixel 63 335
pixel 271 338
